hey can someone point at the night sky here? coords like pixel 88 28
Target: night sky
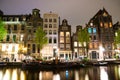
pixel 77 12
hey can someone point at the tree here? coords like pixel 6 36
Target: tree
pixel 83 38
pixel 3 31
pixel 117 37
pixel 40 38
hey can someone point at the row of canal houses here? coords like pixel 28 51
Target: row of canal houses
pixel 61 41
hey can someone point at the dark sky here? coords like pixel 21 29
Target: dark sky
pixel 77 12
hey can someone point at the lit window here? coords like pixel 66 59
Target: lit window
pixel 68 34
pixel 90 45
pixel 67 46
pixel 21 38
pixel 84 43
pixel 101 24
pixel 94 30
pixel 89 30
pixel 75 44
pixel 110 24
pixel 75 50
pixel 61 33
pixel 67 40
pixel 61 40
pixel 106 25
pixel 80 44
pixel 95 45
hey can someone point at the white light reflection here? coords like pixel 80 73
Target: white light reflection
pixel 86 77
pixel 103 73
pixel 40 75
pixel 14 74
pixel 1 75
pixel 76 75
pixel 7 75
pixel 22 75
pixel 56 77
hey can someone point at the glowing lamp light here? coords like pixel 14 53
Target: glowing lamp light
pixel 101 50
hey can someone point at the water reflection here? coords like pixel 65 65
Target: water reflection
pixel 90 73
pixel 103 73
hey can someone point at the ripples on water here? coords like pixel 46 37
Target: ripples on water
pixel 90 73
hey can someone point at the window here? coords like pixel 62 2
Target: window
pixel 45 31
pixel 50 20
pixel 15 27
pixel 94 30
pixel 50 40
pixel 61 33
pixel 90 30
pixel 55 26
pixel 21 38
pixel 55 41
pixel 95 45
pixel 28 45
pixel 75 50
pixel 14 38
pixel 101 24
pixel 94 37
pixel 54 32
pixel 50 31
pixel 9 28
pixel 67 46
pixel 61 39
pixel 8 38
pixel 106 25
pixel 33 48
pixel 46 20
pixel 55 20
pixel 67 34
pixel 75 44
pixel 61 46
pixel 90 45
pixel 45 26
pixel 67 40
pixel 22 27
pixel 110 24
pixel 50 25
pixel 80 45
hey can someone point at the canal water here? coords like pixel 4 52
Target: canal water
pixel 111 72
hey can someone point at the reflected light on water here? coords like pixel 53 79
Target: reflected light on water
pixel 103 73
pixel 56 77
pixel 14 74
pixel 76 75
pixel 40 75
pixel 7 75
pixel 1 75
pixel 22 75
pixel 86 77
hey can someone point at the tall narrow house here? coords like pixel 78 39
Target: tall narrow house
pixel 50 26
pixel 64 40
pixel 101 32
